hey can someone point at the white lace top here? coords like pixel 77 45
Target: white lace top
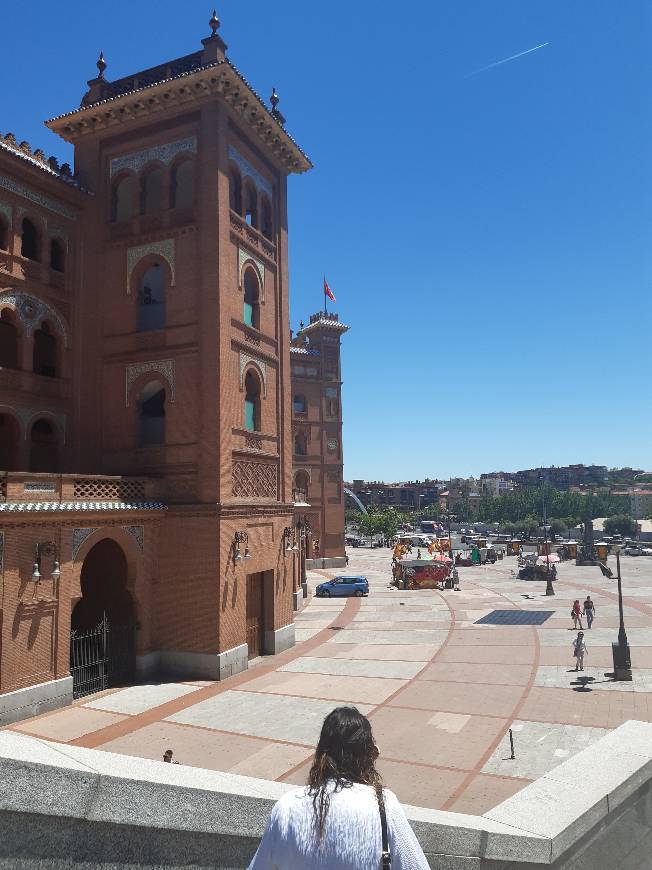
pixel 352 837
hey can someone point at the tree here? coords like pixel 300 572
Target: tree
pixel 558 527
pixel 370 525
pixel 389 521
pixel 619 524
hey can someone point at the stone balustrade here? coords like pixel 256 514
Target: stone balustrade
pixel 66 806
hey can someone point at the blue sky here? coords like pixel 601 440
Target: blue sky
pixel 487 237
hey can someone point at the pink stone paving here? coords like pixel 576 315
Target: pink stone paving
pixel 441 691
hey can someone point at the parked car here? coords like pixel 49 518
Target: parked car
pixel 638 550
pixel 342 586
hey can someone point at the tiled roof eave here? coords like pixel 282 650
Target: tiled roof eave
pixel 68 180
pixel 331 324
pixel 56 124
pixel 74 506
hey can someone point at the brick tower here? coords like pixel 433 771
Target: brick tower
pixel 172 362
pixel 317 436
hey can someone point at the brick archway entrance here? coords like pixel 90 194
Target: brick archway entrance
pixel 102 641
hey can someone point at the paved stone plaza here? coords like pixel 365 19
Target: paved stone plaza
pixel 441 691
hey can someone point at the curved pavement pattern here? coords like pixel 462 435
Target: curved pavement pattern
pixel 441 690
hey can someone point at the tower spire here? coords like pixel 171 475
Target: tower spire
pixel 214 46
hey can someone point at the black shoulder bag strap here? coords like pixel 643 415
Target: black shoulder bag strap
pixel 386 857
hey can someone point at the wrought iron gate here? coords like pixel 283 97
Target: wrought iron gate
pixel 101 657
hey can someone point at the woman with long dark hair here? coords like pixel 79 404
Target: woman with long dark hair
pixel 343 819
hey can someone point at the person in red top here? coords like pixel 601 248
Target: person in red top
pixel 576 614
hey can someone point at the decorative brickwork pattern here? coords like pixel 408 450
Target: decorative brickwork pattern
pixel 164 248
pixel 101 490
pixel 163 153
pixel 40 487
pixel 31 312
pixel 78 538
pixel 57 232
pixel 248 171
pixel 28 415
pixel 255 479
pixel 245 359
pixel 2 550
pixel 163 367
pixel 138 534
pixel 38 198
pixel 246 257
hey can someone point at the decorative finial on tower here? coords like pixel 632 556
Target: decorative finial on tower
pixel 214 23
pixel 101 65
pixel 274 100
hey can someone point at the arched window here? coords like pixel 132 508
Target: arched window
pixel 266 224
pixel 252 402
pixel 183 185
pixel 57 256
pixel 151 415
pixel 251 205
pixel 122 201
pixel 300 444
pixel 44 450
pixel 8 341
pixel 29 246
pixel 301 486
pixel 299 404
pixel 152 192
pixel 9 440
pixel 235 190
pixel 251 312
pixel 45 352
pixel 151 299
pixel 4 233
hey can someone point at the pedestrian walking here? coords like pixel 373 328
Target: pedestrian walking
pixel 343 819
pixel 589 611
pixel 579 651
pixel 576 614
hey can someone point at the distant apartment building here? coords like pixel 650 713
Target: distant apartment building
pixel 641 503
pixel 494 485
pixel 626 476
pixel 564 477
pixel 408 496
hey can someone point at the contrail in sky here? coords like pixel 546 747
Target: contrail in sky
pixel 507 59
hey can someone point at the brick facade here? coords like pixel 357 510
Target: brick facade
pixel 317 434
pixel 166 351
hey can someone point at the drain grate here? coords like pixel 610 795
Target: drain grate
pixel 515 617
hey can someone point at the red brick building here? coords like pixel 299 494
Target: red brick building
pixel 317 436
pixel 146 430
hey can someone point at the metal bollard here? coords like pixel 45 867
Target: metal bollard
pixel 511 743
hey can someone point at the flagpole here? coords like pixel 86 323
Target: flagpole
pixel 325 296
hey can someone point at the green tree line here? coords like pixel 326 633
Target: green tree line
pixel 522 504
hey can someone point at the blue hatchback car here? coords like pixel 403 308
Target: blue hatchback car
pixel 341 586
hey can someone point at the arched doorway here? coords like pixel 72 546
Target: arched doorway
pixel 102 624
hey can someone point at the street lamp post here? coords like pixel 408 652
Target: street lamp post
pixel 620 651
pixel 450 517
pixel 303 528
pixel 550 589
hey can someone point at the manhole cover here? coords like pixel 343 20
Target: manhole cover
pixel 515 617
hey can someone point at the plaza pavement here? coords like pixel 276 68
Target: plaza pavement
pixel 440 690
